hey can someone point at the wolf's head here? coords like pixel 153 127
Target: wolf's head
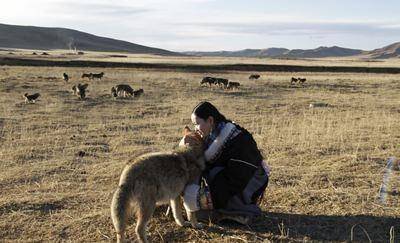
pixel 191 138
pixel 193 144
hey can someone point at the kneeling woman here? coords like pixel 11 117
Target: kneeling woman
pixel 236 175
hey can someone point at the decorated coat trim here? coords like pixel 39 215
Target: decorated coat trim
pixel 228 132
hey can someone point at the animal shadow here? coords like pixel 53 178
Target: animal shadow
pixel 329 228
pixel 319 228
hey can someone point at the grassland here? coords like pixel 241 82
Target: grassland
pixel 327 162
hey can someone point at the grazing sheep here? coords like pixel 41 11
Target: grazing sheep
pixel 293 80
pixel 31 98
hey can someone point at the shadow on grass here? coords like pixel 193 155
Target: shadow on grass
pixel 278 227
pixel 319 227
pixel 44 208
pixel 344 88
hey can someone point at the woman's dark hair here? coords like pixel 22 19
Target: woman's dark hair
pixel 205 109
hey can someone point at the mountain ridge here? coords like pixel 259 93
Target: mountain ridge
pixel 318 52
pixel 47 38
pixel 389 51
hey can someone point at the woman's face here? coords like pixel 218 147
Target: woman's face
pixel 204 127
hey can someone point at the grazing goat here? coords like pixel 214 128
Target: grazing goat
pixel 87 75
pixel 31 98
pixel 222 82
pixel 302 80
pixel 122 90
pixel 233 85
pixel 65 77
pixel 97 75
pixel 80 90
pixel 208 80
pixel 318 104
pixel 254 76
pixel 293 80
pixel 138 92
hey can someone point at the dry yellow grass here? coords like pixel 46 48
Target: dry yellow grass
pixel 327 163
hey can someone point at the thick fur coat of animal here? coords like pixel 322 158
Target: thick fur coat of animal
pixel 157 178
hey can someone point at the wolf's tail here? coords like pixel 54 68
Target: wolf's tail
pixel 120 208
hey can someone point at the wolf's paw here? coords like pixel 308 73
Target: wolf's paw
pixel 183 223
pixel 198 225
pixel 187 224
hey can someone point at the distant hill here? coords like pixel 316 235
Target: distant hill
pixel 30 37
pixel 333 51
pixel 269 52
pixel 389 51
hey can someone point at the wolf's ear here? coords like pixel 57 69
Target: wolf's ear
pixel 186 131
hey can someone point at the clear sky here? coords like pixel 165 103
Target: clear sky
pixel 211 25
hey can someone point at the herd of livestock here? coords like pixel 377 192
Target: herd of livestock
pixel 120 90
pixel 226 84
pixel 125 90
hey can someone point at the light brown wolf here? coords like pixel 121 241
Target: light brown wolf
pixel 157 178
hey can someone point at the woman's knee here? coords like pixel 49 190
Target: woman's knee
pixel 191 198
pixel 196 197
